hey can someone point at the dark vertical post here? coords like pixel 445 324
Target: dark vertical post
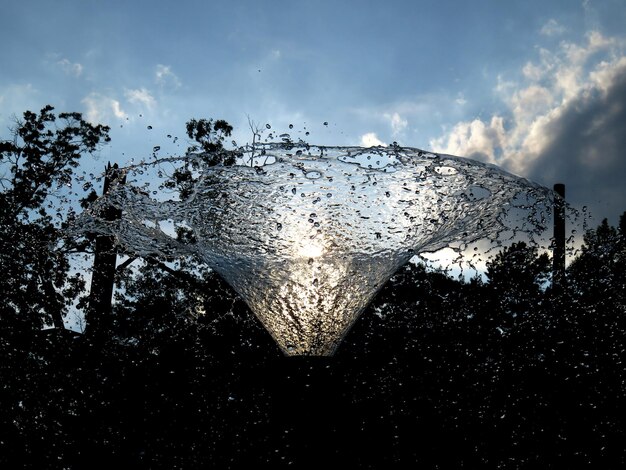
pixel 558 254
pixel 98 316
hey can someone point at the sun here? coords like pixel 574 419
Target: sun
pixel 310 249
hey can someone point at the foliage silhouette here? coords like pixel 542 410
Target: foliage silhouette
pixel 38 162
pixel 438 372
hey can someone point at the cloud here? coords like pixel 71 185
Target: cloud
pixel 478 139
pixel 140 97
pixel 552 28
pixel 586 148
pixel 460 100
pixel 397 123
pixel 101 109
pixel 371 140
pixel 165 77
pixel 70 68
pixel 564 121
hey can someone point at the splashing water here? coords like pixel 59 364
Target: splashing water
pixel 310 234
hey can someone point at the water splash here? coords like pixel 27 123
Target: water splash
pixel 307 235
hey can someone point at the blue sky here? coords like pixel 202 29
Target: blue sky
pixel 537 87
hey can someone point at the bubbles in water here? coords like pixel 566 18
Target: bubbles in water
pixel 313 175
pixel 445 170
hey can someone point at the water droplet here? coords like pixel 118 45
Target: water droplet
pixel 388 194
pixel 293 190
pixel 156 148
pixel 149 128
pixel 325 123
pixel 279 226
pixel 290 126
pixel 267 126
pixel 313 175
pixel 446 170
pixel 306 133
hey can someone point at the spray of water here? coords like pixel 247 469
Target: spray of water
pixel 307 235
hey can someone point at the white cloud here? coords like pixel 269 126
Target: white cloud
pixel 476 138
pixel 517 136
pixel 503 86
pixel 370 140
pixel 70 68
pixel 533 71
pixel 603 76
pixel 531 101
pixel 552 28
pixel 140 97
pixel 397 123
pixel 101 109
pixel 165 77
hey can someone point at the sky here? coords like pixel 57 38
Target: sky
pixel 535 87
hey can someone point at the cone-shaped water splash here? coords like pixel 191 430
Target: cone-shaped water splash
pixel 309 237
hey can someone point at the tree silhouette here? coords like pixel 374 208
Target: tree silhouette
pixel 516 277
pixel 188 378
pixel 38 163
pixel 208 141
pixel 597 274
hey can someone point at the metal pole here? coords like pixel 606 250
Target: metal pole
pixel 558 254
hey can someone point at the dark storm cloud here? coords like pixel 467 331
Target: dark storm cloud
pixel 588 151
